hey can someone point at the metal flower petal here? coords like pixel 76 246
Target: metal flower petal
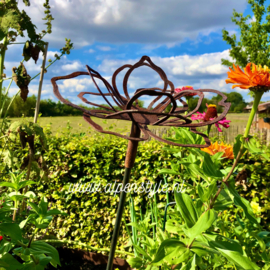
pixel 154 115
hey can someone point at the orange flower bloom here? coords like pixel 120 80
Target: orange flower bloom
pixel 215 148
pixel 257 78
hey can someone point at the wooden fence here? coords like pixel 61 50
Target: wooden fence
pixel 227 135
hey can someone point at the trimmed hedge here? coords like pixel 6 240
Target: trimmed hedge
pixel 76 158
pixel 99 159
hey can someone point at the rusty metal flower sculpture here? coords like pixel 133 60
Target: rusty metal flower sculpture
pixel 154 115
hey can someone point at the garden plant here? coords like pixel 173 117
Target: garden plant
pixel 199 217
pixel 29 213
pixel 196 234
pixel 217 220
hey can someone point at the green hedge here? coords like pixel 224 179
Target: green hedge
pixel 75 158
pixel 99 159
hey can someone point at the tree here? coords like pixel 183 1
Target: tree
pixel 254 37
pixel 14 23
pixel 194 101
pixel 19 107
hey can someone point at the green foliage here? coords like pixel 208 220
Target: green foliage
pixel 78 159
pixel 47 107
pixel 236 99
pixel 254 37
pixel 18 233
pixel 19 107
pixel 198 230
pixel 14 22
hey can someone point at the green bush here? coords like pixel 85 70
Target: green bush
pixel 77 158
pixel 100 159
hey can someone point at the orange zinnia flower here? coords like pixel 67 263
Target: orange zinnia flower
pixel 257 78
pixel 215 148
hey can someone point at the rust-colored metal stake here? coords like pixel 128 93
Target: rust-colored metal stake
pixel 129 162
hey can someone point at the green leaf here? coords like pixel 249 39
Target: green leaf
pixel 34 207
pixel 204 223
pixel 9 262
pixel 5 209
pixel 55 212
pixel 168 171
pixel 8 184
pixel 191 265
pixel 223 201
pixel 142 251
pixel 195 171
pixel 231 250
pixel 30 194
pixel 202 249
pixel 29 218
pixel 135 262
pixel 16 196
pixel 39 247
pixel 238 259
pixel 43 223
pixel 171 251
pixel 186 208
pixel 263 234
pixel 45 260
pixel 173 226
pixel 240 202
pixel 22 184
pixel 252 145
pixel 201 192
pixel 205 193
pixel 209 167
pixel 237 145
pixel 12 230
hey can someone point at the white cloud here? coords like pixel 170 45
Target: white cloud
pixel 201 71
pixel 75 66
pixel 104 48
pixel 180 66
pixel 119 21
pixel 253 19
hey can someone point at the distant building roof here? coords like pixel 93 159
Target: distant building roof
pixel 261 107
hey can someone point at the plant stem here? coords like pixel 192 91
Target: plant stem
pixel 86 246
pixel 4 99
pixel 32 237
pixel 47 67
pixel 15 210
pixel 21 244
pixel 257 98
pixel 2 59
pixel 208 130
pixel 127 229
pixel 31 157
pixel 187 100
pixel 34 259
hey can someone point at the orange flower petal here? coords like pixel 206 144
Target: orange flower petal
pixel 251 77
pixel 215 148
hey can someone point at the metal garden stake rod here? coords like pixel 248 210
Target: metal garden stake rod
pixel 129 163
pixel 140 117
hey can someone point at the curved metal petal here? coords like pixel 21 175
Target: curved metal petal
pixel 100 129
pixel 141 116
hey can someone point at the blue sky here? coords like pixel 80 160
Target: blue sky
pixel 182 37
